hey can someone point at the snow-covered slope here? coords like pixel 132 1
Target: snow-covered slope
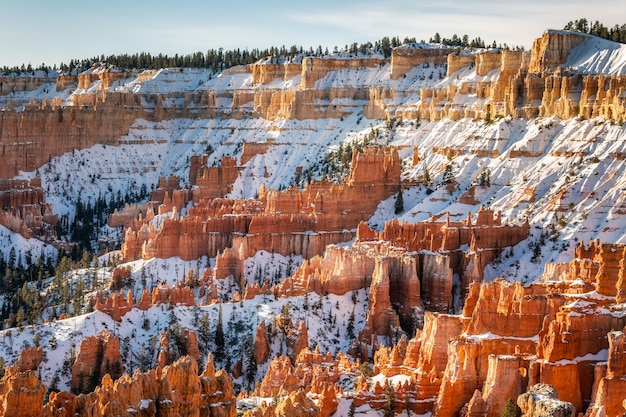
pixel 598 56
pixel 565 177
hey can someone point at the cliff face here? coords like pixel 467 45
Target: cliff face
pixel 12 85
pixel 175 390
pixel 528 84
pixel 483 236
pixel 544 346
pixel 32 137
pixel 458 345
pixel 21 392
pixel 525 84
pixel 278 221
pixel 97 356
pixel 404 59
pixel 24 209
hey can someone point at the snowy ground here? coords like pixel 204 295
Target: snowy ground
pixel 566 199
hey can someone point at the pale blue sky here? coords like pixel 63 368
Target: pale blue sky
pixel 36 31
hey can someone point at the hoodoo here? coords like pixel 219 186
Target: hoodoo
pixel 398 228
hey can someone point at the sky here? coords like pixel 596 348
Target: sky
pixel 42 31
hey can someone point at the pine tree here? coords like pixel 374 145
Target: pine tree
pixel 509 409
pixel 94 277
pixel 389 410
pixel 251 367
pixel 352 409
pixel 144 278
pixel 85 261
pixel 285 316
pixel 399 206
pixel 20 317
pixel 12 258
pixel 144 361
pixel 54 382
pixel 350 326
pixel 448 173
pixel 484 179
pixel 426 179
pixel 219 338
pixel 204 331
pixel 366 370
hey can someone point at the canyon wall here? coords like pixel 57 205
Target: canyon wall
pixel 25 211
pixel 529 84
pixel 566 330
pixel 550 345
pixel 512 337
pixel 522 84
pixel 174 390
pixel 33 136
pixel 298 221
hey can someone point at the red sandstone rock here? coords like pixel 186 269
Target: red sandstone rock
pixel 436 282
pixel 261 350
pixel 115 305
pixel 328 402
pixel 509 309
pixel 60 404
pixel 485 236
pixel 579 328
pixel 610 385
pixel 276 221
pixel 45 132
pixel 176 390
pixel 119 278
pixel 25 210
pixel 29 359
pixel 504 381
pixel 460 379
pixel 178 295
pixel 21 393
pixel 297 340
pixel 381 317
pixel 312 371
pixel 213 182
pixel 296 404
pixel 97 356
pixel 191 343
pixel 279 377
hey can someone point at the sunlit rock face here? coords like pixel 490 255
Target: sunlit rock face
pixel 455 338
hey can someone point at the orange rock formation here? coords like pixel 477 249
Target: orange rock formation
pixel 24 209
pixel 97 356
pixel 116 305
pixel 21 393
pixel 425 273
pixel 261 350
pixel 510 337
pixel 279 222
pixel 175 390
pixel 29 359
pixel 529 84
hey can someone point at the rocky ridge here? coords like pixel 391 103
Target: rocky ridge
pixel 523 84
pixel 442 340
